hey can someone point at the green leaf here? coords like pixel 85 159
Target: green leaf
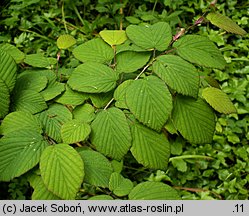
pixel 75 131
pixel 53 118
pixel 153 191
pixel 157 36
pixel 150 101
pixel 15 53
pixel 149 147
pixel 200 50
pixel 62 170
pixel 119 185
pixel 178 74
pixel 38 60
pixel 95 50
pixel 218 100
pixel 93 78
pixel 20 120
pixel 180 165
pixel 40 191
pixel 97 168
pixel 7 70
pixel 111 133
pixel 20 151
pixel 84 113
pixel 4 99
pixel 100 100
pixel 113 37
pixel 70 97
pixel 65 41
pixel 194 119
pixel 120 94
pixel 225 23
pixel 28 100
pixel 101 197
pixel 130 61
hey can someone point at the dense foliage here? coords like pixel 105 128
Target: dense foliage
pixel 120 113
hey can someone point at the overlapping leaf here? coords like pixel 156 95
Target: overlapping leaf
pixel 149 148
pixel 84 113
pixel 20 151
pixel 113 37
pixel 111 133
pixel 194 119
pixel 100 100
pixel 157 36
pixel 178 74
pixel 39 60
pixel 65 41
pixel 153 191
pixel 97 168
pixel 150 101
pixel 93 78
pixel 4 99
pixel 200 50
pixel 95 50
pixel 218 100
pixel 15 53
pixel 62 170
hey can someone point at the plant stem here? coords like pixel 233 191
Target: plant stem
pixel 144 69
pixel 109 103
pixel 78 14
pixel 191 157
pixel 63 17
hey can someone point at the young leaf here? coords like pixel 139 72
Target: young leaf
pixel 53 118
pixel 218 100
pixel 75 131
pixel 19 120
pixel 157 36
pixel 84 113
pixel 95 50
pixel 178 74
pixel 7 70
pixel 225 23
pixel 20 151
pixel 113 37
pixel 97 168
pixel 200 50
pixel 130 61
pixel 15 53
pixel 65 41
pixel 194 119
pixel 119 185
pixel 150 101
pixel 153 191
pixel 38 60
pixel 149 148
pixel 111 133
pixel 4 99
pixel 62 170
pixel 93 78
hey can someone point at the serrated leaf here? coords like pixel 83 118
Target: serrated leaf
pixel 28 100
pixel 200 50
pixel 218 100
pixel 119 185
pixel 225 23
pixel 20 151
pixel 113 37
pixel 120 94
pixel 153 191
pixel 53 118
pixel 7 70
pixel 97 168
pixel 194 119
pixel 111 133
pixel 84 113
pixel 20 120
pixel 149 148
pixel 95 50
pixel 4 99
pixel 62 170
pixel 75 131
pixel 38 60
pixel 15 53
pixel 130 61
pixel 100 100
pixel 65 41
pixel 157 36
pixel 93 78
pixel 178 74
pixel 150 101
pixel 70 97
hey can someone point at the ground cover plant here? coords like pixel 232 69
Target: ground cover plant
pixel 122 102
